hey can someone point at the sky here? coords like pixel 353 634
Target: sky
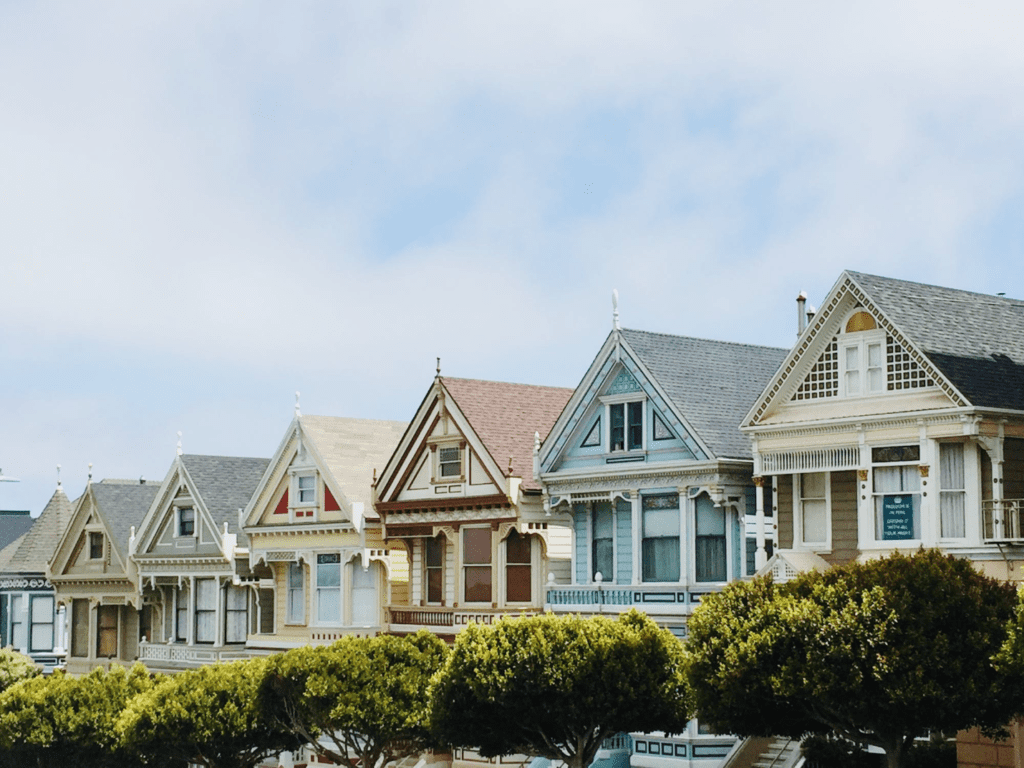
pixel 206 207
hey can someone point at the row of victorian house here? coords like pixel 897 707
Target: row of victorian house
pixel 676 466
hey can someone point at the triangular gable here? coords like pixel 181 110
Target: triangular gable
pixel 156 534
pixel 811 370
pixel 616 370
pixel 412 469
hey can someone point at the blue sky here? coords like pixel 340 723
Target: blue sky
pixel 205 207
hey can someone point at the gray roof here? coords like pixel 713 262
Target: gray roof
pixel 225 484
pixel 122 504
pixel 36 547
pixel 975 340
pixel 712 384
pixel 13 525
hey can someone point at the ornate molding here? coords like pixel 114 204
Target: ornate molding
pixel 25 583
pixel 637 481
pixel 443 516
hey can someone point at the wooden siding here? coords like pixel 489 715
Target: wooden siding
pixel 784 503
pixel 844 518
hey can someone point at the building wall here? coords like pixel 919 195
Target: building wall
pixel 844 518
pixel 976 751
pixel 784 502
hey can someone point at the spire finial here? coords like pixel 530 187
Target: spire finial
pixel 615 309
pixel 298 411
pixel 439 366
pixel 179 443
pixel 90 472
pixel 58 476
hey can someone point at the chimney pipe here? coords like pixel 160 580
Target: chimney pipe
pixel 801 312
pixel 811 312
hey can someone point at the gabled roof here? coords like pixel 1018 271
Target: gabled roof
pixel 35 548
pixel 123 504
pixel 506 416
pixel 975 340
pixel 712 384
pixel 13 525
pixel 225 484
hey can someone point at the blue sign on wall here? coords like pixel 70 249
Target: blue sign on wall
pixel 898 516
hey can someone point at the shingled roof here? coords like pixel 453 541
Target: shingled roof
pixel 225 484
pixel 506 416
pixel 35 548
pixel 712 384
pixel 122 504
pixel 975 340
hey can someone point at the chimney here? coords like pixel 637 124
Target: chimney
pixel 801 312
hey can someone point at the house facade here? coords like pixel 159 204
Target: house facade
pixel 30 619
pixel 647 465
pixel 459 498
pixel 94 578
pixel 200 600
pixel 315 542
pixel 896 422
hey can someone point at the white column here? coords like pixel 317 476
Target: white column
pixel 636 517
pixel 191 634
pixel 218 637
pixel 761 555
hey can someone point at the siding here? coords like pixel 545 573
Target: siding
pixel 784 503
pixel 399 574
pixel 844 518
pixel 623 542
pixel 579 518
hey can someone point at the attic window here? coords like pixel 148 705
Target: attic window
pixel 861 321
pixel 186 522
pixel 449 461
pixel 307 489
pixel 95 546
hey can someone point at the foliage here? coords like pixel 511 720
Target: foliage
pixel 209 715
pixel 15 667
pixel 877 653
pixel 61 719
pixel 361 696
pixel 558 686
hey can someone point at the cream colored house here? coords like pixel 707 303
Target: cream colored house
pixel 315 542
pixel 94 577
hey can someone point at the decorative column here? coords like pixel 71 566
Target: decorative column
pixel 761 555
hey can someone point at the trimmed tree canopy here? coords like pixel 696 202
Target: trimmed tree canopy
pixel 361 696
pixel 558 686
pixel 877 653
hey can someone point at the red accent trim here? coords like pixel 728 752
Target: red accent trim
pixel 282 505
pixel 330 503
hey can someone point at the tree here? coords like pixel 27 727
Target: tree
pixel 877 653
pixel 210 715
pixel 558 686
pixel 362 696
pixel 15 667
pixel 64 720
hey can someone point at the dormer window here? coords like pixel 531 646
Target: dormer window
pixel 95 546
pixel 186 522
pixel 304 493
pixel 449 462
pixel 627 426
pixel 307 489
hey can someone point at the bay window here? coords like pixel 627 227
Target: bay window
pixel 236 614
pixel 328 589
pixel 660 547
pixel 206 610
pixel 709 541
pixel 602 545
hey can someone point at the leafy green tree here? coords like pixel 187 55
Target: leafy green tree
pixel 209 715
pixel 877 653
pixel 15 667
pixel 558 686
pixel 64 720
pixel 364 697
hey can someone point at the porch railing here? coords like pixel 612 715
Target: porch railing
pixel 653 598
pixel 180 655
pixel 455 618
pixel 1003 520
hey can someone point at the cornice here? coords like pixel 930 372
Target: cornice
pixel 450 516
pixel 904 419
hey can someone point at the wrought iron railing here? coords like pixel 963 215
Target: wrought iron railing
pixel 1003 519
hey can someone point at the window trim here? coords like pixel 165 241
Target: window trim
pixel 91 538
pixel 625 400
pixel 799 541
pixel 692 540
pixel 530 564
pixel 179 526
pixel 481 566
pixel 32 623
pixel 606 578
pixel 291 590
pixel 320 590
pixel 873 495
pixel 966 468
pixel 678 538
pixel 862 341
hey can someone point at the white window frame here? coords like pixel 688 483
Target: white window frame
pixel 296 617
pixel 318 591
pixel 966 469
pixel 458 445
pixel 873 495
pixel 625 400
pixel 33 600
pixel 179 511
pixel 799 540
pixel 691 536
pixel 862 341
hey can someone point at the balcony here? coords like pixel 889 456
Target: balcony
pixel 660 599
pixel 444 621
pixel 176 656
pixel 1003 520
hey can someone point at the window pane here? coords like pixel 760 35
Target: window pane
pixel 478 584
pixel 602 545
pixel 660 559
pixel 434 585
pixel 603 559
pixel 206 627
pixel 435 551
pixel 812 486
pixel 79 627
pixel 106 641
pixel 206 594
pixel 517 583
pixel 328 605
pixel 42 609
pixel 710 519
pixel 364 596
pixel 42 637
pixel 636 425
pixel 709 542
pixel 618 426
pixel 328 574
pixel 814 521
pixel 517 548
pixel 951 466
pixel 477 545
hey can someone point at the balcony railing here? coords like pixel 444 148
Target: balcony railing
pixel 180 656
pixel 455 618
pixel 653 598
pixel 1003 520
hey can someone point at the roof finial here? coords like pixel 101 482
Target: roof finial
pixel 615 309
pixel 179 443
pixel 439 366
pixel 510 466
pixel 90 473
pixel 298 412
pixel 58 476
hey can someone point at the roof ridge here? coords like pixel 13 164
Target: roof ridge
pixel 505 383
pixel 701 338
pixel 977 294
